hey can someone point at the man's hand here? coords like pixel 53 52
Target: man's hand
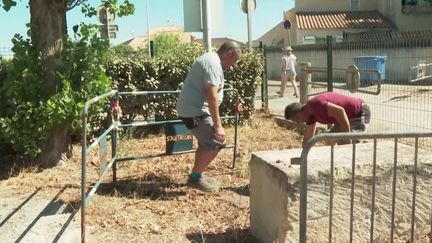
pixel 239 107
pixel 219 134
pixel 115 108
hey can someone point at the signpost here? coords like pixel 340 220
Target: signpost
pixel 106 18
pixel 248 6
pixel 287 26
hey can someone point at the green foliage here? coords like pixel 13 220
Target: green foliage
pixel 123 9
pixel 27 113
pixel 168 71
pixel 167 44
pixel 244 76
pixel 8 4
pixel 122 50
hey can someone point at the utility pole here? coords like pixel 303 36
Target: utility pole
pixel 206 24
pixel 148 29
pixel 248 6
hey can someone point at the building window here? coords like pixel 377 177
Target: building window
pixel 309 39
pixel 416 6
pixel 355 4
pixel 320 39
pixel 338 39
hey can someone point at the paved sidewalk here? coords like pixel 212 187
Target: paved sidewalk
pixel 276 104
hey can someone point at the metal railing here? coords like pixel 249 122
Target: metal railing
pixel 113 130
pixel 345 136
pixel 352 79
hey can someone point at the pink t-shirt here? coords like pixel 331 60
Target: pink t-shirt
pixel 317 107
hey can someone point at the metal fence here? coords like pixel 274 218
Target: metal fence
pixel 108 159
pixel 401 200
pixel 404 102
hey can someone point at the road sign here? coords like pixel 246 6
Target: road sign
pixel 103 14
pixel 112 28
pixel 111 31
pixel 287 24
pixel 248 5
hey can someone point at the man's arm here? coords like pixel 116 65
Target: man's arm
pixel 339 114
pixel 309 133
pixel 213 104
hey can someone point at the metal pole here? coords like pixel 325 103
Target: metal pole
pixel 148 29
pixel 207 26
pixel 264 86
pixel 249 24
pixel 107 25
pixel 329 63
pixel 83 175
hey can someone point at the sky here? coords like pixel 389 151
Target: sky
pixel 268 13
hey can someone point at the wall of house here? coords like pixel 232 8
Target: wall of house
pixel 335 5
pixel 416 20
pixel 273 37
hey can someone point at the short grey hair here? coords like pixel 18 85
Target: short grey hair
pixel 229 46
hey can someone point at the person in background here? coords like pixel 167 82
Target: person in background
pixel 344 112
pixel 198 107
pixel 289 61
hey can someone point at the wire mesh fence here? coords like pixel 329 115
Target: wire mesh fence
pixel 404 102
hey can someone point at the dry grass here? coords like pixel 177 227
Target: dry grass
pixel 150 202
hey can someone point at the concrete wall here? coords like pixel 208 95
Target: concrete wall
pixel 417 20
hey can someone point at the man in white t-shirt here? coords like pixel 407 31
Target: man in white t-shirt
pixel 289 61
pixel 198 107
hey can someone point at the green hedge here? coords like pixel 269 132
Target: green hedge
pixel 167 72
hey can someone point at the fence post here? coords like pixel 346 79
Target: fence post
pixel 264 83
pixel 305 77
pixel 329 43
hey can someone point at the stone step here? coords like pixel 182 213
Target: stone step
pixel 30 218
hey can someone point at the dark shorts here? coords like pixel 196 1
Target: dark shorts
pixel 202 129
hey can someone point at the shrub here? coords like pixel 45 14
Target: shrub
pixel 28 113
pixel 168 71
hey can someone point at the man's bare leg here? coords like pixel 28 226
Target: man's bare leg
pixel 203 159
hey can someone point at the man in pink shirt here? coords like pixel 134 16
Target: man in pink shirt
pixel 344 112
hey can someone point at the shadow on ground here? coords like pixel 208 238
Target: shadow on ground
pixel 230 236
pixel 53 207
pixel 150 186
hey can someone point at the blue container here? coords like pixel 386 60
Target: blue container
pixel 370 62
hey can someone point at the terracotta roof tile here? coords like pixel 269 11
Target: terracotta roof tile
pixel 342 20
pixel 388 35
pixel 416 33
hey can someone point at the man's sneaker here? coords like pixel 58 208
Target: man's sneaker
pixel 206 184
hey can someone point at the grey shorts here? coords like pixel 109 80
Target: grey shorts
pixel 358 123
pixel 290 73
pixel 203 131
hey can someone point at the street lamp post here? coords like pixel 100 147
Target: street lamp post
pixel 148 29
pixel 248 6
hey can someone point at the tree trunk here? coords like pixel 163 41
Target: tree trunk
pixel 47 23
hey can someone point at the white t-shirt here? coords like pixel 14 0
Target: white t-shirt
pixel 291 61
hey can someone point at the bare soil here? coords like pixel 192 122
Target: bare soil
pixel 150 202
